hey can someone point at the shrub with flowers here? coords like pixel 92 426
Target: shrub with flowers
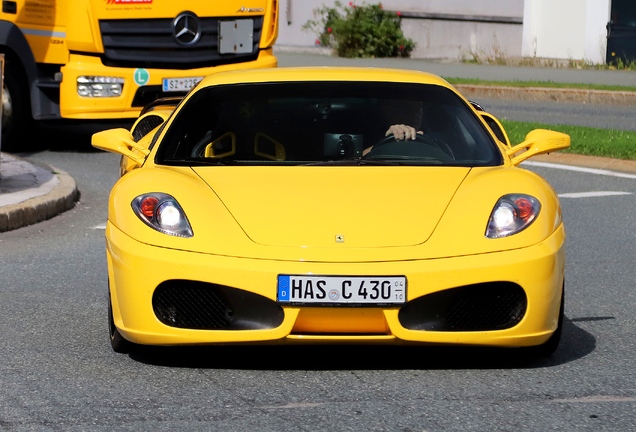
pixel 360 31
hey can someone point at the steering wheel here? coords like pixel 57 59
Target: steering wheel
pixel 411 147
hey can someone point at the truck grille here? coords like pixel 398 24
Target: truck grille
pixel 150 43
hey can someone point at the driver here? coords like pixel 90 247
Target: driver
pixel 400 132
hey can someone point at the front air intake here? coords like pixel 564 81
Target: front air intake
pixel 204 306
pixel 481 307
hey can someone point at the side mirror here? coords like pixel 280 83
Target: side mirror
pixel 120 141
pixel 539 141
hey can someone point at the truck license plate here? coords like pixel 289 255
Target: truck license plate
pixel 180 84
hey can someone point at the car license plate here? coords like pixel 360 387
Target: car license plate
pixel 334 290
pixel 180 84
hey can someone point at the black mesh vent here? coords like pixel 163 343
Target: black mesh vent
pixel 496 129
pixel 194 307
pixel 205 306
pixel 145 126
pixel 488 306
pixel 486 309
pixel 150 43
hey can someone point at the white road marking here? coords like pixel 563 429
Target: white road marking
pixel 99 227
pixel 592 194
pixel 296 405
pixel 595 399
pixel 580 169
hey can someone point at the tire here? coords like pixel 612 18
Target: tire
pixel 16 109
pixel 117 341
pixel 550 346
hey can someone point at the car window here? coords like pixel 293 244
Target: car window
pixel 317 123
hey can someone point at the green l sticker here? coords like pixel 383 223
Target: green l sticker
pixel 141 76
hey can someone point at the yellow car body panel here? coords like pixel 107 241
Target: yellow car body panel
pixel 136 268
pixel 313 74
pixel 228 235
pixel 436 238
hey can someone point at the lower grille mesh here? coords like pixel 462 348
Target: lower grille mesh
pixel 481 307
pixel 193 307
pixel 492 309
pixel 206 306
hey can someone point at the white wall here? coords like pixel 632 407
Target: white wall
pixel 434 38
pixel 459 39
pixel 566 29
pixel 598 15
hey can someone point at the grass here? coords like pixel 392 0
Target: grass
pixel 498 56
pixel 618 144
pixel 543 84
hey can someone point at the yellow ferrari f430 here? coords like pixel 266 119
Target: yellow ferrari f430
pixel 331 205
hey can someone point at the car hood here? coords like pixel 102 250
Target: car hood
pixel 353 207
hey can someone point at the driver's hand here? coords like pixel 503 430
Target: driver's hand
pixel 403 132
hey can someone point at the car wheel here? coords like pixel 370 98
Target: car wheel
pixel 550 346
pixel 16 109
pixel 117 341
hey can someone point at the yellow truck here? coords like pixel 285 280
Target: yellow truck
pixel 106 59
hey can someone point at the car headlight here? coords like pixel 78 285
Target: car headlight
pixel 512 213
pixel 162 212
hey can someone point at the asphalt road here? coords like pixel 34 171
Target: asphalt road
pixel 599 116
pixel 58 373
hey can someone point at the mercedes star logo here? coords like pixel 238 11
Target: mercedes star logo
pixel 187 29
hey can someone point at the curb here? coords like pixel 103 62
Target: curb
pixel 34 210
pixel 289 49
pixel 600 97
pixel 604 163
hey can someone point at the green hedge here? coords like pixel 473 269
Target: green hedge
pixel 360 31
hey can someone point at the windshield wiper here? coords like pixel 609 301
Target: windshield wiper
pixel 406 160
pixel 352 162
pixel 209 161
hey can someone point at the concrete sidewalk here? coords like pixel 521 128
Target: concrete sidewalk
pixel 30 193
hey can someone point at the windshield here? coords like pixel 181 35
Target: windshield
pixel 326 123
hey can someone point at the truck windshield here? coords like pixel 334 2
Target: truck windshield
pixel 326 123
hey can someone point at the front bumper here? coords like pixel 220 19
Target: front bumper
pixel 136 269
pixel 72 106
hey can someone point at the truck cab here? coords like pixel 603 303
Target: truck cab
pixel 106 59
